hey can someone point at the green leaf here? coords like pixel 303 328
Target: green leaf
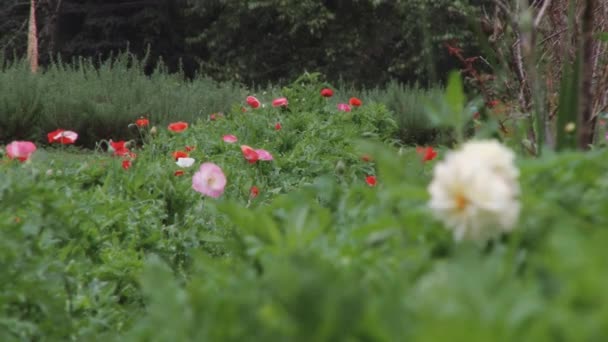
pixel 455 93
pixel 602 36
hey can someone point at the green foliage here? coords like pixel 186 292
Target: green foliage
pixel 76 228
pixel 101 102
pixel 410 107
pixel 89 251
pixel 331 262
pixel 367 41
pixel 603 36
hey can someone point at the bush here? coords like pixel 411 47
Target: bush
pixel 410 107
pixel 100 103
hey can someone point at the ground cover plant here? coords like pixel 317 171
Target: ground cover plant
pixel 298 216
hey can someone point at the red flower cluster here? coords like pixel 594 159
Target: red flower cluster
pixel 120 149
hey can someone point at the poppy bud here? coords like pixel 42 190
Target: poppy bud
pixel 340 166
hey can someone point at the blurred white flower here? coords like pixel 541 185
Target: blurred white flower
pixel 475 191
pixel 185 162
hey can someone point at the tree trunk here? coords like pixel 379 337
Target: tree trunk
pixel 586 120
pixel 32 39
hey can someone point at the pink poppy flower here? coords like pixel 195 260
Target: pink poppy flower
pixel 21 150
pixel 280 102
pixel 250 154
pixel 209 180
pixel 253 102
pixel 343 107
pixel 229 138
pixel 62 136
pixel 264 155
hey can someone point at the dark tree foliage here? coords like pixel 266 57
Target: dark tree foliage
pixel 366 42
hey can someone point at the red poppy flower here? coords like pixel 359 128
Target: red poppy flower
pixel 180 154
pixel 250 154
pixel 366 158
pixel 254 192
pixel 119 147
pixel 326 92
pixel 190 148
pixel 126 164
pixel 142 122
pixel 278 126
pixel 355 102
pixel 178 173
pixel 177 127
pixel 62 136
pixel 370 180
pixel 426 153
pixel 253 102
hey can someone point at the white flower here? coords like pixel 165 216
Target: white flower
pixel 184 162
pixel 475 191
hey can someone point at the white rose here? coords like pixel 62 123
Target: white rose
pixel 474 191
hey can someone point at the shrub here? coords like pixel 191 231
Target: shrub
pixel 100 103
pixel 409 105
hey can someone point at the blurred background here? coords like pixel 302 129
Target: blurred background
pixel 363 42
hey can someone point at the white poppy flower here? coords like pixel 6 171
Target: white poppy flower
pixel 185 162
pixel 474 191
